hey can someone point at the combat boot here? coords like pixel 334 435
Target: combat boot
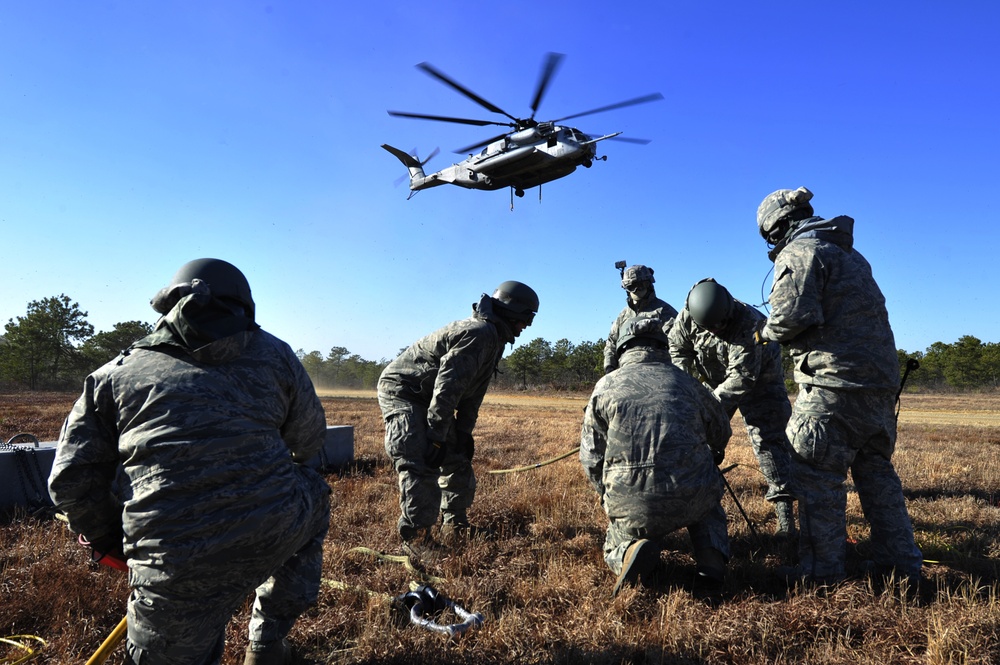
pixel 420 547
pixel 913 586
pixel 710 569
pixel 786 519
pixel 456 534
pixel 276 653
pixel 640 560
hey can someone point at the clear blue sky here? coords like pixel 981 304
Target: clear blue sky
pixel 135 136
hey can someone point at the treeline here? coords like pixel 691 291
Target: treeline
pixel 560 366
pixel 968 364
pixel 53 347
pixel 341 369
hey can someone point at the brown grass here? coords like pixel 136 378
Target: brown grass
pixel 542 584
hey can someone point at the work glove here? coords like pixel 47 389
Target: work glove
pixel 109 544
pixel 466 444
pixel 106 549
pixel 718 456
pixel 434 456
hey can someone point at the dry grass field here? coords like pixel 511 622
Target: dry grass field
pixel 541 583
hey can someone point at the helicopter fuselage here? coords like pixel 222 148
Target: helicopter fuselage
pixel 521 160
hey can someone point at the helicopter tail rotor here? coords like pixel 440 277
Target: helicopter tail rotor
pixel 413 165
pixel 431 156
pixel 413 153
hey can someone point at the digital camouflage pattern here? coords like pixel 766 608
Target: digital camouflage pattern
pixel 646 446
pixel 833 431
pixel 432 391
pixel 829 311
pixel 778 206
pixel 650 306
pixel 214 503
pixel 635 274
pixel 742 374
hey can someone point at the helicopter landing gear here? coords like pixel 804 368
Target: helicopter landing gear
pixel 519 193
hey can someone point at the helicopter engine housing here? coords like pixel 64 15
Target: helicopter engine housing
pixel 525 136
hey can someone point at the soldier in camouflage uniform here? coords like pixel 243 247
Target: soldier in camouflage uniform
pixel 651 440
pixel 712 339
pixel 828 310
pixel 430 397
pixel 641 300
pixel 209 419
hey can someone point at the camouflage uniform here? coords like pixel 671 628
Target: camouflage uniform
pixel 828 310
pixel 649 306
pixel 210 440
pixel 430 393
pixel 742 375
pixel 646 446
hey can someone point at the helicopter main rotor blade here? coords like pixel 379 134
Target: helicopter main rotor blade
pixel 548 70
pixel 629 139
pixel 442 118
pixel 475 146
pixel 427 67
pixel 631 102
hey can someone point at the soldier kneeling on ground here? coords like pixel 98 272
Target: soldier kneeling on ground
pixel 651 441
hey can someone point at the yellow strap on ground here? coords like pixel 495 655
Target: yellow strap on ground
pixel 343 586
pixel 109 645
pixel 537 465
pixel 19 642
pixel 397 558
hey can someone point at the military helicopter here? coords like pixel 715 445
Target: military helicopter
pixel 531 153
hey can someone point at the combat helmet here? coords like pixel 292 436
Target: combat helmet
pixel 779 209
pixel 710 304
pixel 224 281
pixel 515 301
pixel 641 330
pixel 636 275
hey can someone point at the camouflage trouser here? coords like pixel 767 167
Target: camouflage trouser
pixel 766 416
pixel 184 622
pixel 424 492
pixel 831 432
pixel 700 512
